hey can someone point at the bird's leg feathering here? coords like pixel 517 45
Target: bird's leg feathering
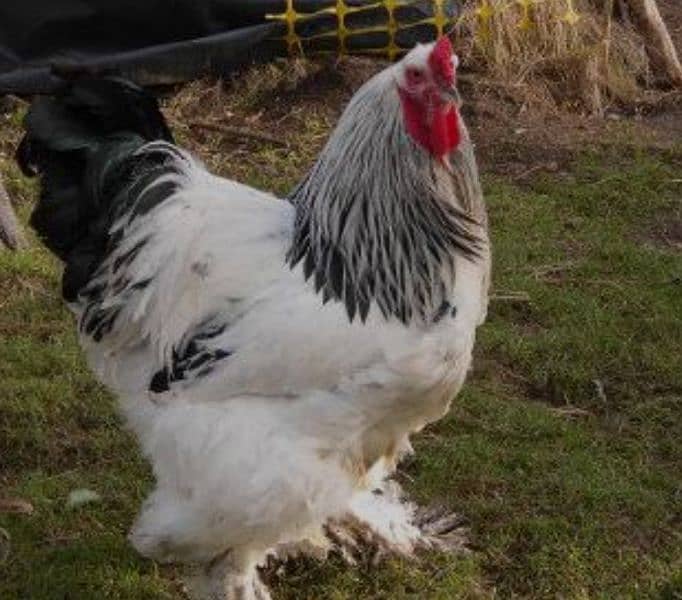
pixel 228 577
pixel 383 523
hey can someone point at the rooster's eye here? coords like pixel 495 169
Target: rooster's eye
pixel 415 75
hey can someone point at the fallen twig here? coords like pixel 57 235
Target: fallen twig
pixel 234 131
pixel 571 411
pixel 549 167
pixel 543 271
pixel 510 297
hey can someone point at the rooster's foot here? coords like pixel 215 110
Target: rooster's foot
pixel 442 530
pixel 225 579
pixel 379 524
pixel 383 523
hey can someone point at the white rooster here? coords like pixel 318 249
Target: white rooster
pixel 273 357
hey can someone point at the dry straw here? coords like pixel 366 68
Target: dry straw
pixel 573 45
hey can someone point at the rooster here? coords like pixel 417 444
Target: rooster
pixel 272 357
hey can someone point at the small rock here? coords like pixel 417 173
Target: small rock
pixel 82 496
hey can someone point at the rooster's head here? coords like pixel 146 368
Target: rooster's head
pixel 429 97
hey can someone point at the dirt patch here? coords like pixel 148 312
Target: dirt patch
pixel 521 136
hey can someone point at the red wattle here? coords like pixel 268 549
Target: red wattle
pixel 436 130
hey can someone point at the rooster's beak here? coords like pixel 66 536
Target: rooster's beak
pixel 451 94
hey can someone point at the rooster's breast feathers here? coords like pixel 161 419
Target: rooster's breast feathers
pixel 202 299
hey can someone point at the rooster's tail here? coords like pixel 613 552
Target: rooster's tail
pixel 83 143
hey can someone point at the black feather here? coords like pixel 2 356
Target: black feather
pixel 442 311
pixel 193 358
pixel 82 143
pixel 319 280
pixel 160 381
pixel 363 308
pixel 127 257
pixel 308 266
pixel 350 300
pixel 336 272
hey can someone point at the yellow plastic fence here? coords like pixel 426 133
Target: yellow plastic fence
pixel 488 9
pixel 524 11
pixel 440 20
pixel 485 11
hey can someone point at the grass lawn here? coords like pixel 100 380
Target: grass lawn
pixel 564 451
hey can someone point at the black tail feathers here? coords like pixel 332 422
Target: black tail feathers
pixel 81 141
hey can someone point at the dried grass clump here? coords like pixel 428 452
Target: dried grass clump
pixel 573 47
pixel 255 86
pixel 258 84
pixel 253 127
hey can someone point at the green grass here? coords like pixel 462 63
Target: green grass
pixel 564 451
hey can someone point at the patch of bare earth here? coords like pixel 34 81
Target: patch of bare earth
pixel 519 136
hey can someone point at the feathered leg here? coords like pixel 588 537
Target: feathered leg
pixel 233 482
pixel 382 522
pixel 232 575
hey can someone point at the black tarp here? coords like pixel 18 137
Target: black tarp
pixel 166 41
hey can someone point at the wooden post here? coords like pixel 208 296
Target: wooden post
pixel 660 46
pixel 11 234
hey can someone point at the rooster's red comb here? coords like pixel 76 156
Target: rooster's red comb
pixel 440 61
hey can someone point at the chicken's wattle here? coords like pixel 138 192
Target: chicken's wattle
pixel 432 123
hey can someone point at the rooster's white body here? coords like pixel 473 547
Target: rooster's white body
pixel 272 410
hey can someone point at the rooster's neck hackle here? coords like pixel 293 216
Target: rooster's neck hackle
pixel 378 220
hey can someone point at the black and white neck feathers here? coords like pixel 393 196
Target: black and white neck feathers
pixel 378 220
